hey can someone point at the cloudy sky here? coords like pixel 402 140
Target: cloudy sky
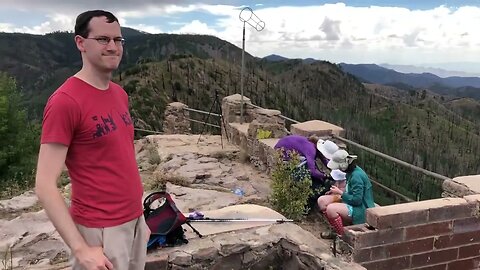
pixel 442 34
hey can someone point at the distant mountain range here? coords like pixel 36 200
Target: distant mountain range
pixel 422 69
pixel 460 86
pixel 377 74
pixel 438 133
pixel 278 58
pixel 454 86
pixel 427 68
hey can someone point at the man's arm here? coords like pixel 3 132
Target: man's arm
pixel 314 172
pixel 50 163
pixel 309 152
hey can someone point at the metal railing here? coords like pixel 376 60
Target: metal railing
pixel 204 122
pixel 378 171
pixel 281 116
pixel 398 161
pixel 149 131
pixel 202 112
pixel 417 183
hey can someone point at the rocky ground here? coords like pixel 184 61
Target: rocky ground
pixel 201 174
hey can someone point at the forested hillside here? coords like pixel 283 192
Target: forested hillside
pixel 432 131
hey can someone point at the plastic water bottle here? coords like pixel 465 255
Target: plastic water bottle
pixel 238 191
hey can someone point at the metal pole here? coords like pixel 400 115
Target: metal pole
pixel 241 75
pixel 247 16
pixel 240 220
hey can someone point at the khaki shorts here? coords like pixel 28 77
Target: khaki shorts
pixel 124 245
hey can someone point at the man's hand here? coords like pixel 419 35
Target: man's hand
pixel 92 258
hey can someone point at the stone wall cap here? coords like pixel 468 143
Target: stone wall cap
pixel 237 97
pixel 268 112
pixel 243 128
pixel 314 125
pixel 270 142
pixel 416 206
pixel 471 181
pixel 177 105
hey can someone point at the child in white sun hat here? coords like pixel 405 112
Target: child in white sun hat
pixel 356 197
pixel 340 179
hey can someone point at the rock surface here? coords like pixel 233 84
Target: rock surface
pixel 280 246
pixel 200 173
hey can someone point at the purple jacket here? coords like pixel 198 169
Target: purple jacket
pixel 305 148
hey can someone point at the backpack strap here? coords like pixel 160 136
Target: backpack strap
pixel 150 199
pixel 162 194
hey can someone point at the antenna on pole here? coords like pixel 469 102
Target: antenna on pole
pixel 247 16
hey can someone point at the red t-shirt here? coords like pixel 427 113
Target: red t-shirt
pixel 97 128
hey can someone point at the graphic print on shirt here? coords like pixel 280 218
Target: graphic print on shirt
pixel 126 118
pixel 104 125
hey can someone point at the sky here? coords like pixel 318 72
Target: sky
pixel 441 34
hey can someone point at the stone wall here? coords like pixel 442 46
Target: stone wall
pixel 176 119
pixel 266 125
pixel 262 128
pixel 461 186
pixel 280 246
pixel 434 234
pixel 231 109
pixel 317 127
pixel 256 135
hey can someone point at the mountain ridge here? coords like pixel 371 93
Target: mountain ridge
pixel 162 68
pixel 455 86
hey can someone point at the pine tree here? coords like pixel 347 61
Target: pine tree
pixel 18 140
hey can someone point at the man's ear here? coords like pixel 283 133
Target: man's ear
pixel 79 41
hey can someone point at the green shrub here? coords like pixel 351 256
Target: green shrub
pixel 19 141
pixel 153 156
pixel 158 180
pixel 263 134
pixel 289 197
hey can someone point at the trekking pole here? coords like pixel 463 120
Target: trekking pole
pixel 240 220
pixel 194 230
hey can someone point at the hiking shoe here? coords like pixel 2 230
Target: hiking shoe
pixel 328 235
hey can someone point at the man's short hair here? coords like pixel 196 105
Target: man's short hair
pixel 83 20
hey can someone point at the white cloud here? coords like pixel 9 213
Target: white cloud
pixel 334 32
pixel 196 27
pixel 6 27
pixel 342 33
pixel 156 11
pixel 145 28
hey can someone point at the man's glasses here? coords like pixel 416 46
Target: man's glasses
pixel 105 40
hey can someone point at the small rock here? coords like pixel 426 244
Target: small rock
pixel 180 258
pixel 243 177
pixel 202 175
pixel 23 201
pixel 203 254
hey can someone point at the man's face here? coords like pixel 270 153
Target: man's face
pixel 105 57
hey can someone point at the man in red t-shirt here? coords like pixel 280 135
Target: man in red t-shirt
pixel 87 126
